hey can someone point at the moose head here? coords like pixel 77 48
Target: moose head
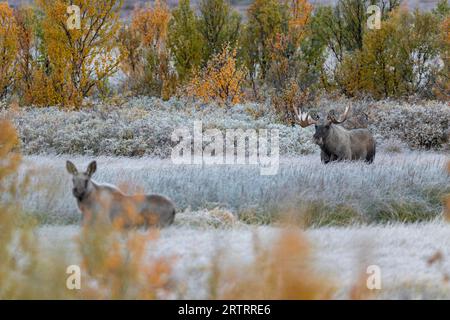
pixel 322 125
pixel 82 184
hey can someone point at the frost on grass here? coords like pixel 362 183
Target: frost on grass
pixel 143 126
pixel 397 187
pixel 140 127
pixel 341 254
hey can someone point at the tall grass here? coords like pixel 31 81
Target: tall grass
pixel 398 187
pixel 114 261
pixel 281 271
pixel 447 199
pixel 119 264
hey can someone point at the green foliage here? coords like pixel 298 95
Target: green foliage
pixel 395 61
pixel 280 43
pixel 219 25
pixel 442 9
pixel 185 40
pixel 266 19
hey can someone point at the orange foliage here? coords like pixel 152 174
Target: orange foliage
pixel 220 81
pixel 284 271
pixel 8 47
pixel 152 24
pixel 117 265
pixel 289 98
pixel 285 44
pixel 446 28
pixel 447 199
pixel 299 19
pixel 144 45
pixel 9 159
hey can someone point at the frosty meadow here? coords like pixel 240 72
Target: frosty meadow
pixel 236 114
pixel 235 147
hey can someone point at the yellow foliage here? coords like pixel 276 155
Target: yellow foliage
pixel 282 271
pixel 290 97
pixel 9 159
pixel 298 21
pixel 220 81
pixel 152 24
pixel 32 84
pixel 146 56
pixel 285 44
pixel 79 60
pixel 117 266
pixel 442 89
pixel 447 199
pixel 8 47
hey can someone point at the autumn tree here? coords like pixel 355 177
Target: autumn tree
pixel 147 61
pixel 218 24
pixel 185 40
pixel 31 85
pixel 284 52
pixel 220 80
pixel 395 61
pixel 342 29
pixel 442 84
pixel 442 10
pixel 265 20
pixel 80 60
pixel 8 48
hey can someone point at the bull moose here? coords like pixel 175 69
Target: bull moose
pixel 336 142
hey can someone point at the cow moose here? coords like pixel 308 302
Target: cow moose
pixel 336 142
pixel 97 201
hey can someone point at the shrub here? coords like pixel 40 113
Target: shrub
pixel 142 126
pixel 284 270
pixel 221 80
pixel 266 19
pixel 420 126
pixel 398 60
pixel 219 25
pixel 290 97
pixel 442 86
pixel 184 40
pixel 144 42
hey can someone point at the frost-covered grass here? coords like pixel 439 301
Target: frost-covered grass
pixel 417 125
pixel 143 126
pixel 343 254
pixel 397 187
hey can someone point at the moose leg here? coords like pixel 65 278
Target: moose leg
pixel 371 154
pixel 324 157
pixel 343 155
pixel 333 157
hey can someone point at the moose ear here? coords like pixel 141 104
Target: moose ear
pixel 71 168
pixel 92 167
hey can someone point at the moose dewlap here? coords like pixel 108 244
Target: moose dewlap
pixel 99 201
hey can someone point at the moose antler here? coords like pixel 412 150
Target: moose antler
pixel 304 119
pixel 332 116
